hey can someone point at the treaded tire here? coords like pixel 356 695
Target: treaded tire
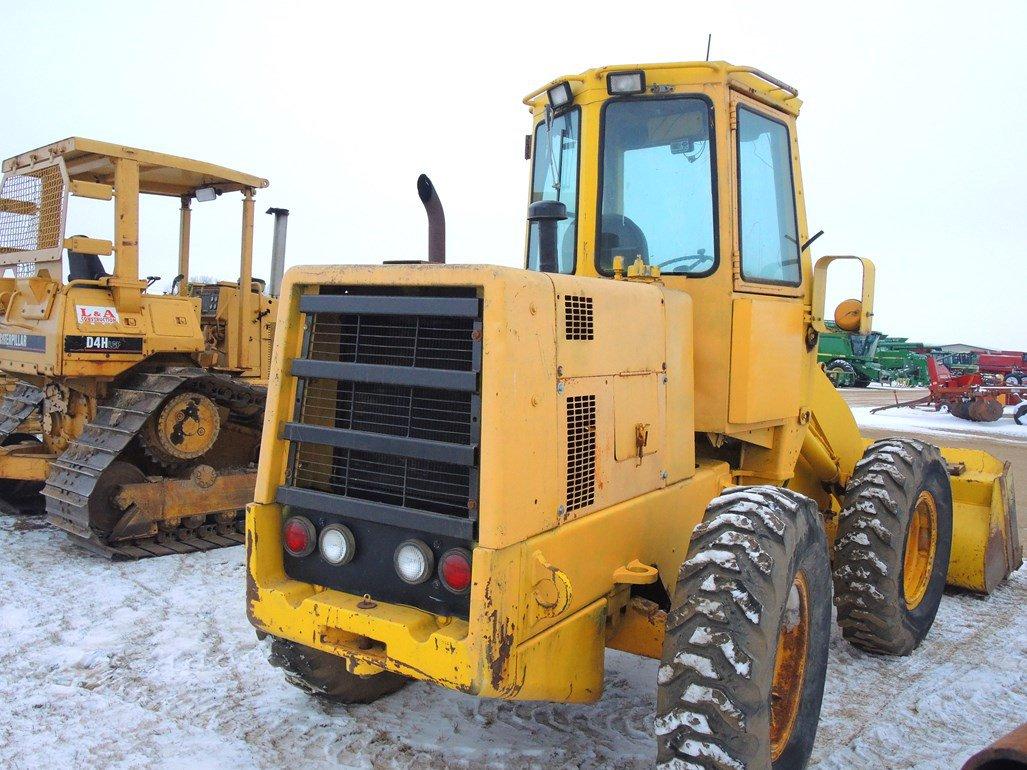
pixel 848 369
pixel 870 548
pixel 719 653
pixel 323 674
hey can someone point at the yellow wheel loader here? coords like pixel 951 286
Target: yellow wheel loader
pixel 483 477
pixel 137 414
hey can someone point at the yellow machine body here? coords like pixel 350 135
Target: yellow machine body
pixel 71 332
pixel 694 384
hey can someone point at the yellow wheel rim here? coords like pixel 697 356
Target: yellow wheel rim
pixel 789 667
pixel 921 544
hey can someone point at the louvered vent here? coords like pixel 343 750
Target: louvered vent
pixel 577 318
pixel 581 451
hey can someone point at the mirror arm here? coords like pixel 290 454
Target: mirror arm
pixel 809 241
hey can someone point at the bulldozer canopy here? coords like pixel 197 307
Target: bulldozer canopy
pixel 88 160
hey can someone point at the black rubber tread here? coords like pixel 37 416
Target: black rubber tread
pixel 323 674
pixel 869 549
pixel 1020 414
pixel 845 366
pixel 713 700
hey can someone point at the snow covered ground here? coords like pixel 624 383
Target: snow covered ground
pixel 153 664
pixel 940 426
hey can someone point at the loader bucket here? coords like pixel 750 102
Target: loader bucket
pixel 985 543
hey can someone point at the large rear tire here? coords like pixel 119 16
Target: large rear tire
pixel 891 555
pixel 323 674
pixel 841 373
pixel 745 651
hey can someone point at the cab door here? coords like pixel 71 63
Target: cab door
pixel 769 359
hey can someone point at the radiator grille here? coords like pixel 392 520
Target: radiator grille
pixel 388 404
pixel 380 478
pixel 395 410
pixel 424 341
pixel 577 318
pixel 581 451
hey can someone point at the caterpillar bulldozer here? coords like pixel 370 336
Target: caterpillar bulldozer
pixel 483 477
pixel 136 415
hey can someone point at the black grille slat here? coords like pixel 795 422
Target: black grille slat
pixel 395 375
pixel 388 407
pixel 344 438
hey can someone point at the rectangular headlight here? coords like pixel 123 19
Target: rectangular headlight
pixel 560 96
pixel 625 82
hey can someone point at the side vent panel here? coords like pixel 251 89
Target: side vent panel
pixel 581 451
pixel 577 318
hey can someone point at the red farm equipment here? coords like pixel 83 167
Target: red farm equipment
pixel 1009 366
pixel 966 396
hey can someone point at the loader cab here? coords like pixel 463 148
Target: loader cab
pixel 689 174
pixel 102 291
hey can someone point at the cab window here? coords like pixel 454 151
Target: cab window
pixel 657 193
pixel 767 234
pixel 554 177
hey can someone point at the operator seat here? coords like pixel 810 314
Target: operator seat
pixel 85 267
pixel 620 236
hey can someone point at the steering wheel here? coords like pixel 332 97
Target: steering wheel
pixel 691 261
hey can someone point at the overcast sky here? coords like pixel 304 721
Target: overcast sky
pixel 912 134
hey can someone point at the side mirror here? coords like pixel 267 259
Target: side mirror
pixel 852 315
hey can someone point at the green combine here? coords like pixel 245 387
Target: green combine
pixel 856 360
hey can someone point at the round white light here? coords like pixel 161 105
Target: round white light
pixel 413 561
pixel 337 544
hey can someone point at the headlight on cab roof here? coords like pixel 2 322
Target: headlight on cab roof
pixel 620 83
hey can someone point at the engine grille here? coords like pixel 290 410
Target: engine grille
pixel 581 452
pixel 386 425
pixel 423 341
pixel 577 318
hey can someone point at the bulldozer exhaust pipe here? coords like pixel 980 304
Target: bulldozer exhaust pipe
pixel 278 250
pixel 436 220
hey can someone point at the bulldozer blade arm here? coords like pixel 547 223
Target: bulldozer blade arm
pixel 150 503
pixel 985 542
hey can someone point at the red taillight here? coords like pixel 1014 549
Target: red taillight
pixel 298 536
pixel 455 570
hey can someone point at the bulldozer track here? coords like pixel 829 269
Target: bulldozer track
pixel 75 474
pixel 17 407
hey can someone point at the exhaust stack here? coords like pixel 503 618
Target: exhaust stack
pixel 436 220
pixel 278 250
pixel 545 215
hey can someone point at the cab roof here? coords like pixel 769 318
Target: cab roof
pixel 748 79
pixel 91 161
